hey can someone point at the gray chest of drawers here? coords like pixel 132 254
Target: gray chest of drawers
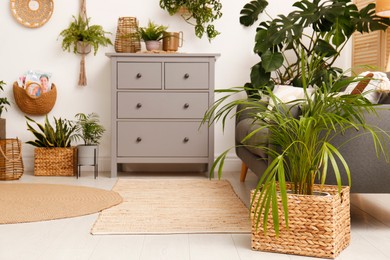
pixel 158 102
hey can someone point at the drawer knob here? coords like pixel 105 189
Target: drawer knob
pixel 139 75
pixel 139 139
pixel 186 105
pixel 139 105
pixel 186 76
pixel 186 139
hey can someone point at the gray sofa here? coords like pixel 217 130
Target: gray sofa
pixel 369 174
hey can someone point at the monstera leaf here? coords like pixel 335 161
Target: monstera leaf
pixel 250 12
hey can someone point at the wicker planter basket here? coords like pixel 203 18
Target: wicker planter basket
pixel 127 39
pixel 11 162
pixel 55 161
pixel 35 105
pixel 319 226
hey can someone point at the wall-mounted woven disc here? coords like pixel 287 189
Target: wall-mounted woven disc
pixel 32 13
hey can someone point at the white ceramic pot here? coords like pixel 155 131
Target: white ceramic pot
pixel 87 154
pixel 152 45
pixel 83 48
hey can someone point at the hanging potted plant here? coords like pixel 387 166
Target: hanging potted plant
pixel 201 14
pixel 297 136
pixel 80 37
pixel 3 107
pixel 90 131
pixel 152 35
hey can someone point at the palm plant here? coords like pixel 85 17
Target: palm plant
pixel 59 135
pixel 299 148
pixel 320 28
pixel 89 128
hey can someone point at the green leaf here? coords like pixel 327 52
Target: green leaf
pixel 251 11
pixel 324 48
pixel 271 61
pixel 259 77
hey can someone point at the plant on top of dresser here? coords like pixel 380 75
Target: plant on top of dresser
pixel 53 154
pixel 152 34
pixel 201 14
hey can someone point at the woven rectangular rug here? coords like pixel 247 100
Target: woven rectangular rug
pixel 173 206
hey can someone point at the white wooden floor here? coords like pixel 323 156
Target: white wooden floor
pixel 70 238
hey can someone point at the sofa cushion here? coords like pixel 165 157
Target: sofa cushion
pixel 288 94
pixel 244 128
pixel 378 85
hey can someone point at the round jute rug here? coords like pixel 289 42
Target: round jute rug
pixel 25 202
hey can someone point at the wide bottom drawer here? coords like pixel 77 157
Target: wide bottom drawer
pixel 162 139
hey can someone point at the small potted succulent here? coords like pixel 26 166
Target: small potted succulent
pixel 3 107
pixel 90 131
pixel 152 35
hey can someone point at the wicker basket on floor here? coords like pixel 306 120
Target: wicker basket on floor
pixel 319 226
pixel 56 161
pixel 31 105
pixel 11 162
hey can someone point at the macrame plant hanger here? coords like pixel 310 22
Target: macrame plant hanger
pixel 82 76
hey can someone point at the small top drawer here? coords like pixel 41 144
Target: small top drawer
pixel 183 75
pixel 139 75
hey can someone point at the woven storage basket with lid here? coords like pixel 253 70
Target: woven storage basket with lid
pixel 319 226
pixel 35 105
pixel 127 39
pixel 11 162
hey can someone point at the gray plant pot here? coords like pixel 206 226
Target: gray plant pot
pixel 88 154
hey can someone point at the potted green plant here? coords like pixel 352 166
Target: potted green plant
pixel 80 36
pixel 152 34
pixel 90 131
pixel 201 14
pixel 4 103
pixel 299 147
pixel 53 154
pixel 320 28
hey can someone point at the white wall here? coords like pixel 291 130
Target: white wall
pixel 23 48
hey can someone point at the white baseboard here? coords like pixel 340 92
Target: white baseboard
pixel 232 163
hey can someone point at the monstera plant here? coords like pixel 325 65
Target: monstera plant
pixel 321 29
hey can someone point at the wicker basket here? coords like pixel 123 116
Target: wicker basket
pixel 319 226
pixel 35 105
pixel 11 162
pixel 55 161
pixel 127 39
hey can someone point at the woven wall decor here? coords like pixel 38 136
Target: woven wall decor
pixel 32 13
